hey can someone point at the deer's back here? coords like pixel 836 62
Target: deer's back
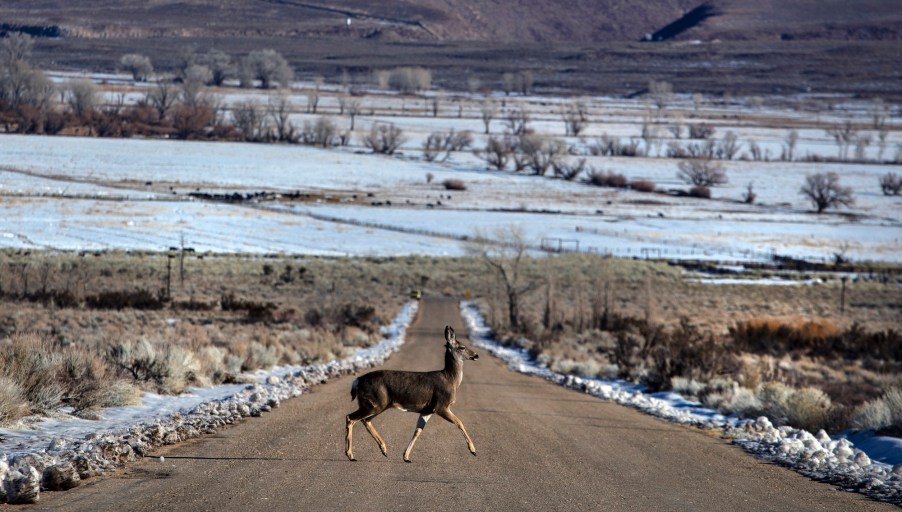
pixel 420 392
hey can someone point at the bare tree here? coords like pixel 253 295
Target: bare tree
pixel 313 96
pixel 139 66
pixel 789 148
pixel 250 118
pixel 843 135
pixel 445 142
pixel 660 91
pixel 497 152
pixel 279 111
pixel 488 109
pixel 504 253
pixel 19 83
pixel 82 95
pixel 162 97
pixel 570 171
pixel 268 66
pixel 728 146
pixel 576 117
pixel 322 133
pixel 702 173
pixel 407 80
pixel 517 120
pixel 541 152
pixel 353 107
pixel 749 196
pixel 384 138
pixel 824 191
pixel 701 131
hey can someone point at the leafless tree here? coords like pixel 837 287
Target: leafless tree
pixel 497 152
pixel 824 191
pixel 504 252
pixel 384 138
pixel 353 106
pixel 488 109
pixel 313 96
pixel 843 135
pixel 749 196
pixel 701 131
pixel 541 152
pixel 162 97
pixel 861 144
pixel 139 66
pixel 279 111
pixel 728 147
pixel 702 173
pixel 407 80
pixel 20 84
pixel 445 142
pixel 517 120
pixel 250 118
pixel 576 117
pixel 660 92
pixel 82 95
pixel 321 133
pixel 569 171
pixel 789 147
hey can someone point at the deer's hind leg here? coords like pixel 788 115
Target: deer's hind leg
pixel 368 423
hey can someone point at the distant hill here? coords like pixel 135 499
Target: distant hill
pixel 509 21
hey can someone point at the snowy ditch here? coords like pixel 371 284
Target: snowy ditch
pixel 861 462
pixel 57 453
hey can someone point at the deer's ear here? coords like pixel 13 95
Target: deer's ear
pixel 449 334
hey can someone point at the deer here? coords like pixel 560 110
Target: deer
pixel 425 393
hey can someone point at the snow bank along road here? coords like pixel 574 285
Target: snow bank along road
pixel 540 446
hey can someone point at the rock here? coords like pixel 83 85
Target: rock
pixel 60 477
pixel 862 460
pixel 23 486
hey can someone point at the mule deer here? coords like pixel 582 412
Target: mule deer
pixel 426 393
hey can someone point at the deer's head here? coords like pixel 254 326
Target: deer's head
pixel 455 347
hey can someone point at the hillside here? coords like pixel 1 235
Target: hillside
pixel 516 21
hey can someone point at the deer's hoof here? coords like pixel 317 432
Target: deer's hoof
pixel 408 461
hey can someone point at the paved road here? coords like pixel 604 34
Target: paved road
pixel 541 447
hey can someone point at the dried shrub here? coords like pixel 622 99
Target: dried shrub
pixel 570 171
pixel 643 185
pixel 701 131
pixel 890 184
pixel 824 191
pixel 445 142
pixel 700 191
pixel 384 138
pixel 134 299
pixel 704 173
pixel 612 179
pixel 454 184
pixel 12 401
pixel 497 152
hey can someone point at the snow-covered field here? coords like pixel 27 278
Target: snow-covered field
pixel 861 462
pixel 88 193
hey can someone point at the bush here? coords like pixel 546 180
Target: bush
pixel 891 184
pixel 642 185
pixel 608 179
pixel 135 299
pixel 701 131
pixel 12 401
pixel 703 173
pixel 700 191
pixel 137 65
pixel 497 152
pixel 384 138
pixel 881 413
pixel 807 409
pixel 454 184
pixel 406 80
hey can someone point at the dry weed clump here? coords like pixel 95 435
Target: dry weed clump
pixel 883 413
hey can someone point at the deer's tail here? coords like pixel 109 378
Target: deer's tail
pixel 354 389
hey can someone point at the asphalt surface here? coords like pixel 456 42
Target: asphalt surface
pixel 540 447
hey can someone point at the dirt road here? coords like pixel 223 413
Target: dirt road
pixel 541 447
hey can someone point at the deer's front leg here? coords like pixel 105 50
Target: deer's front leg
pixel 421 424
pixel 448 415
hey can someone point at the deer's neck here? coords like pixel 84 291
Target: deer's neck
pixel 454 367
